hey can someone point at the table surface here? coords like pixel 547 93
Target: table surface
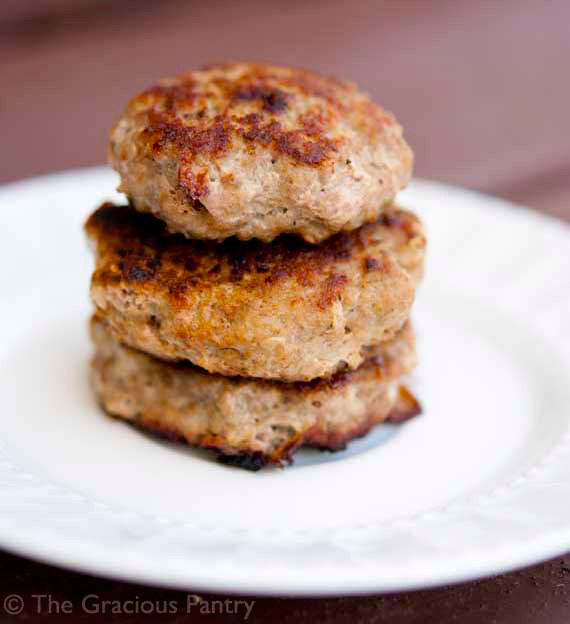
pixel 483 93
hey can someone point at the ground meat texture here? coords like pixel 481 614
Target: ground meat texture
pixel 252 422
pixel 284 310
pixel 255 150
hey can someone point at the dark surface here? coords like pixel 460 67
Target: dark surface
pixel 538 594
pixel 482 90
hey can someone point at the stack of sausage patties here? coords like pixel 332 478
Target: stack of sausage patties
pixel 253 295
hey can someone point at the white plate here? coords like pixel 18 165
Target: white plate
pixel 477 485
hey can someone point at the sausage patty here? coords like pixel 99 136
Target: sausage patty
pixel 255 150
pixel 252 422
pixel 282 310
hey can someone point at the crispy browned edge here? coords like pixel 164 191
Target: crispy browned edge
pixel 407 406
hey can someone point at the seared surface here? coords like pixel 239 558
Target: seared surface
pixel 252 422
pixel 285 310
pixel 254 150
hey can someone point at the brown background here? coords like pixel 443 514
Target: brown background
pixel 482 89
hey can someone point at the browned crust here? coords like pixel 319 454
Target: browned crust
pixel 243 458
pixel 406 408
pixel 134 249
pixel 178 117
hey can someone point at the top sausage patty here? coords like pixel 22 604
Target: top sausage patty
pixel 286 309
pixel 255 150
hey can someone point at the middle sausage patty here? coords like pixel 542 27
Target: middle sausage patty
pixel 287 309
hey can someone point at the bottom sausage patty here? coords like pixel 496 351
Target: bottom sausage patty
pixel 252 422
